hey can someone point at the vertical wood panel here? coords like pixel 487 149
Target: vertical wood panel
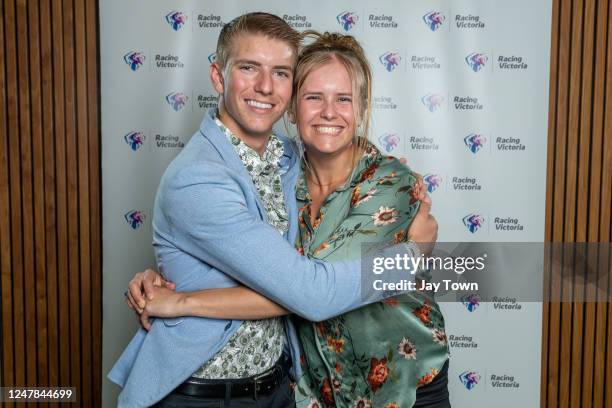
pixel 576 357
pixel 583 374
pixel 6 281
pixel 25 138
pixel 39 198
pixel 62 225
pixel 49 184
pixel 91 17
pixel 15 194
pixel 558 208
pixel 606 199
pixel 595 200
pixel 49 192
pixel 71 178
pixel 571 312
pixel 82 163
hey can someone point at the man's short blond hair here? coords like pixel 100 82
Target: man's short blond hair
pixel 265 24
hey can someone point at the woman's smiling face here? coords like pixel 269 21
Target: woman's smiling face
pixel 325 116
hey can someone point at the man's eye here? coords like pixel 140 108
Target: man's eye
pixel 247 68
pixel 283 74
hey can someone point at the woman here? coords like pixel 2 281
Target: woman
pixel 388 354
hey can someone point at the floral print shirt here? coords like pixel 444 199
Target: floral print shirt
pixel 257 344
pixel 376 356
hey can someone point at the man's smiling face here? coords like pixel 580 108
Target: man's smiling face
pixel 255 85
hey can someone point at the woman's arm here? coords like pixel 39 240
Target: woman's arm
pixel 238 302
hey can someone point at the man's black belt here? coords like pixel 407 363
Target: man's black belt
pixel 262 384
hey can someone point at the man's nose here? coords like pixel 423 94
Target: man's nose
pixel 264 83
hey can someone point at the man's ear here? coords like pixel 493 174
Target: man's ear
pixel 216 77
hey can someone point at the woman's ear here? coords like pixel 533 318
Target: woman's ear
pixel 216 77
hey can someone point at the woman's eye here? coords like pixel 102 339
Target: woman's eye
pixel 344 99
pixel 312 97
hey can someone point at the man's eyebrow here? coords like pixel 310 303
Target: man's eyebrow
pixel 258 64
pixel 245 61
pixel 285 67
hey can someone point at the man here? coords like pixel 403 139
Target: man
pixel 225 212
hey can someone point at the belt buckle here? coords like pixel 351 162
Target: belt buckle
pixel 256 385
pixel 258 380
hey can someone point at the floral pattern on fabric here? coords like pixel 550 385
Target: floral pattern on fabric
pixel 257 344
pixel 378 355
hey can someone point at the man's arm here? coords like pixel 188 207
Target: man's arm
pixel 239 302
pixel 210 221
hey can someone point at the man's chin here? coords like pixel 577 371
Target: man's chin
pixel 261 127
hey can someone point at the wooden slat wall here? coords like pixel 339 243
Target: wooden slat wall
pixel 50 248
pixel 577 336
pixel 50 238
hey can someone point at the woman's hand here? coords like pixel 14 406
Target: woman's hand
pixel 163 303
pixel 141 288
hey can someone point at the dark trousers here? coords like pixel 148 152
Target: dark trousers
pixel 282 397
pixel 434 394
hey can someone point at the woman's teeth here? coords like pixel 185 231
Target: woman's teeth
pixel 331 130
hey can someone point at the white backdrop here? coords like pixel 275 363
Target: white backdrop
pixel 460 91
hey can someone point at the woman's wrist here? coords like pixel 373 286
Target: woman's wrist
pixel 188 304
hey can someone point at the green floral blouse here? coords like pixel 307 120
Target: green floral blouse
pixel 376 356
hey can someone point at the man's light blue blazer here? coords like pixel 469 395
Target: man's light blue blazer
pixel 210 231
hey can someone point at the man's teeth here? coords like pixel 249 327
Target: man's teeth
pixel 328 129
pixel 259 105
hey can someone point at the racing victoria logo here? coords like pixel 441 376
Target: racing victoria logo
pixel 347 19
pixel 176 19
pixel 432 101
pixel 134 59
pixel 135 218
pixel 473 222
pixel 471 302
pixel 469 379
pixel 134 140
pixel 389 141
pixel 475 142
pixel 434 20
pixel 177 100
pixel 476 61
pixel 212 58
pixel 390 60
pixel 432 181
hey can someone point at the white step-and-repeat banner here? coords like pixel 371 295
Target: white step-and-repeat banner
pixel 460 91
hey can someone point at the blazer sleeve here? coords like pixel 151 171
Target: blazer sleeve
pixel 208 218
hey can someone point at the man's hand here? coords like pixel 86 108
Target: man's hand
pixel 424 228
pixel 143 284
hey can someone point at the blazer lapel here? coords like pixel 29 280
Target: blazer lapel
pixel 210 130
